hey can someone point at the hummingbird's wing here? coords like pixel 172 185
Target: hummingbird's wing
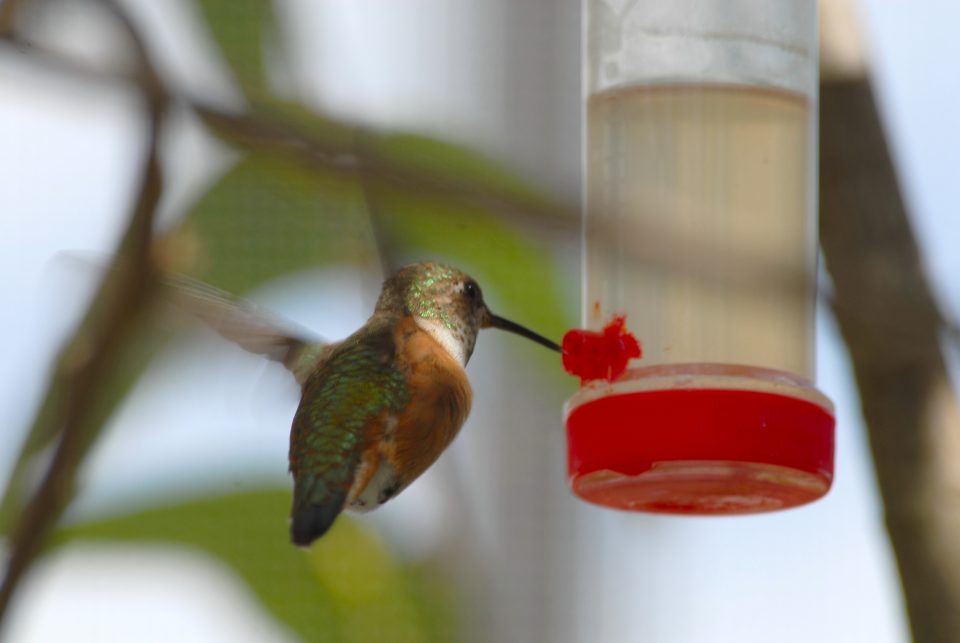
pixel 345 405
pixel 252 327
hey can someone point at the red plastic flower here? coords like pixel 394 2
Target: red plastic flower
pixel 593 356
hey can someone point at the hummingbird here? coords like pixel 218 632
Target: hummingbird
pixel 377 408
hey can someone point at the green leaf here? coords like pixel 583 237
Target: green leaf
pixel 452 163
pixel 269 216
pixel 455 224
pixel 345 588
pixel 321 215
pixel 242 30
pixel 515 271
pixel 481 226
pixel 401 161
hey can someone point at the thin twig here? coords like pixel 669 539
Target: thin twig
pixel 57 62
pixel 389 259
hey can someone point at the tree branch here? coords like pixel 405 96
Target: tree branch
pixel 86 361
pixel 891 325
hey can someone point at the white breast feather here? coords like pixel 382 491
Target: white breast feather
pixel 445 337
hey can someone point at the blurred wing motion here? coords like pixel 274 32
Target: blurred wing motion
pixel 252 327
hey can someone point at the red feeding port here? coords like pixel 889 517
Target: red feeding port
pixel 706 439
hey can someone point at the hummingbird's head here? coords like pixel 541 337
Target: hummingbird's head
pixel 448 304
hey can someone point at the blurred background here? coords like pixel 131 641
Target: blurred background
pixel 465 117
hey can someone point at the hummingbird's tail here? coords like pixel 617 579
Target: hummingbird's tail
pixel 310 520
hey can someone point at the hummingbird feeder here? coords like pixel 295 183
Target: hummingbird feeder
pixel 700 233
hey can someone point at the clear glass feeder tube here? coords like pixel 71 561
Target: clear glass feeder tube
pixel 700 226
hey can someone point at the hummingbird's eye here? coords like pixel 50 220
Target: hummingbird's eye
pixel 471 290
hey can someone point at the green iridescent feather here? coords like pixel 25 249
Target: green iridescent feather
pixel 422 294
pixel 358 382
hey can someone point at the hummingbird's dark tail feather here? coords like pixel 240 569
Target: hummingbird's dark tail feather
pixel 312 520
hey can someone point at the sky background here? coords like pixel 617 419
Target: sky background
pixel 67 159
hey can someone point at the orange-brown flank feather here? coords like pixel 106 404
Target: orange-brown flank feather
pixel 440 398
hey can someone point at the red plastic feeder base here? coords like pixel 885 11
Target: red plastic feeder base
pixel 700 439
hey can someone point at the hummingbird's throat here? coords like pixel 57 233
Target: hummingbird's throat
pixel 453 340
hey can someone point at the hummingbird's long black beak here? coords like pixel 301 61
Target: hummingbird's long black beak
pixel 506 324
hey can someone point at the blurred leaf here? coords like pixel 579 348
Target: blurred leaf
pixel 276 213
pixel 516 272
pixel 345 588
pixel 515 268
pixel 409 162
pixel 269 216
pixel 242 28
pixel 452 163
pixel 326 220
